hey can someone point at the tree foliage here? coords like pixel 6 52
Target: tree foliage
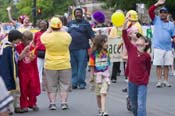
pixel 48 8
pixel 131 4
pixel 3 12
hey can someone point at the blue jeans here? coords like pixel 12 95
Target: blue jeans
pixel 79 60
pixel 137 95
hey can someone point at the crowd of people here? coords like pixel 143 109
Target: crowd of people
pixel 55 59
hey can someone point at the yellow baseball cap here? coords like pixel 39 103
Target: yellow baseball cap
pixel 132 15
pixel 55 22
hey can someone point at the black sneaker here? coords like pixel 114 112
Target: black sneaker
pixel 74 87
pixel 9 112
pixel 64 106
pixel 124 90
pixel 114 81
pixel 21 110
pixel 128 103
pixel 34 108
pixel 52 107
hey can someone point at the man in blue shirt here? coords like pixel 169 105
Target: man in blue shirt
pixel 81 32
pixel 164 32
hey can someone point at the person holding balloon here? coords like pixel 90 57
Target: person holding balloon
pixel 98 18
pixel 28 74
pixel 116 32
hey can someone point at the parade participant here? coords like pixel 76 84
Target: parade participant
pixel 99 63
pixel 28 73
pixel 98 18
pixel 8 68
pixel 81 32
pixel 40 49
pixel 133 20
pixel 23 24
pixel 57 63
pixel 5 99
pixel 139 65
pixel 116 32
pixel 164 31
pixel 133 27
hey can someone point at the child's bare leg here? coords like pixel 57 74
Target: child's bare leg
pixel 103 102
pixel 99 101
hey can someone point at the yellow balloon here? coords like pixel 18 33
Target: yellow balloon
pixel 118 19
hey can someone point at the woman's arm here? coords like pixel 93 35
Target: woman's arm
pixel 10 16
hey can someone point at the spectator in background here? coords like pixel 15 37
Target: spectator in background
pixel 81 32
pixel 164 31
pixel 40 49
pixel 64 21
pixel 23 24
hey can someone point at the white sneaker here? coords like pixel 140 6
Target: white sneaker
pixel 64 106
pixel 174 73
pixel 126 80
pixel 104 114
pixel 99 112
pixel 166 84
pixel 52 107
pixel 159 84
pixel 171 73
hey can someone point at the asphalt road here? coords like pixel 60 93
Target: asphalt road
pixel 160 101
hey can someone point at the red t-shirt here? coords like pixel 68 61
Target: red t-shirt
pixel 28 71
pixel 139 64
pixel 39 45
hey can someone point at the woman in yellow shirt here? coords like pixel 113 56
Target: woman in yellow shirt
pixel 57 63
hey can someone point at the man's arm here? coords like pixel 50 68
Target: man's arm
pixel 153 7
pixel 151 12
pixel 90 32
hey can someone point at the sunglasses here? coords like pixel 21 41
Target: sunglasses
pixel 163 12
pixel 140 45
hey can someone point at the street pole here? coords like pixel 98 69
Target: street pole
pixel 34 13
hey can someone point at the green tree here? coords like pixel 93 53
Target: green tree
pixel 49 8
pixel 131 4
pixel 3 12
